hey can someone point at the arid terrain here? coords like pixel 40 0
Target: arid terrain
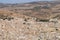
pixel 30 21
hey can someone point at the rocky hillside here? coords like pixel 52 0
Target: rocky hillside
pixel 33 21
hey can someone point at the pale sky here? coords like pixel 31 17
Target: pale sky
pixel 19 1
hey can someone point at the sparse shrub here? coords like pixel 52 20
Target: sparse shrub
pixel 45 7
pixel 24 23
pixel 28 23
pixel 42 20
pixel 5 17
pixel 37 8
pixel 57 16
pixel 38 39
pixel 55 12
pixel 37 19
pixel 25 20
pixel 11 13
pixel 56 29
pixel 9 18
pixel 27 13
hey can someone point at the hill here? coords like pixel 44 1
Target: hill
pixel 30 21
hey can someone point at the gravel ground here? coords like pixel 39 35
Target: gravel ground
pixel 18 29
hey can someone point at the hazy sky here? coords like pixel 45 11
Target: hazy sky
pixel 19 1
